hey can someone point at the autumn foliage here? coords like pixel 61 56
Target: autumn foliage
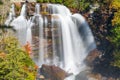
pixel 15 63
pixel 28 48
pixel 115 37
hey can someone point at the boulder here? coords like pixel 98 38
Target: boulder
pixel 92 56
pixel 53 72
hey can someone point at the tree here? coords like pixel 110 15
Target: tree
pixel 1 2
pixel 116 58
pixel 116 30
pixel 39 1
pixel 59 1
pixel 115 4
pixel 115 37
pixel 82 4
pixel 46 1
pixel 15 62
pixel 52 1
pixel 69 3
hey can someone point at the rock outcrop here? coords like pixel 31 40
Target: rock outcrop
pixel 53 72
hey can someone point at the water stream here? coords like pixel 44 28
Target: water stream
pixel 57 36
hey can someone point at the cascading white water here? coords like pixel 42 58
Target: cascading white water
pixel 29 33
pixel 63 39
pixel 23 27
pixel 20 25
pixel 76 43
pixel 58 9
pixel 41 43
pixel 67 44
pixel 11 15
pixel 37 8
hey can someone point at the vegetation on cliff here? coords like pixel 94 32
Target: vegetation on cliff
pixel 115 39
pixel 79 5
pixel 1 2
pixel 15 63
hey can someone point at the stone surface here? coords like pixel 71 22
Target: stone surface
pixel 53 72
pixel 94 77
pixel 4 9
pixel 92 56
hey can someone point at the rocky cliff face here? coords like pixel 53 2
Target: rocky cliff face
pixel 100 23
pixel 4 9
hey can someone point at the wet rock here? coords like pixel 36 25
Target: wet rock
pixel 97 76
pixel 111 78
pixel 53 72
pixel 42 77
pixel 92 56
pixel 82 75
pixel 94 77
pixel 31 8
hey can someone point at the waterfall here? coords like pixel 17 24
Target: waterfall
pixel 29 33
pixel 11 16
pixel 58 9
pixel 23 11
pixel 57 37
pixel 41 44
pixel 20 25
pixel 37 8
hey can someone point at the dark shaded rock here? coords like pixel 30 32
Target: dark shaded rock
pixel 82 76
pixel 95 76
pixel 92 56
pixel 53 72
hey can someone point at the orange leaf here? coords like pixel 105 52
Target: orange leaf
pixel 28 48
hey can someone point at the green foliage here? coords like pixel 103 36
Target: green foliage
pixel 46 1
pixel 116 23
pixel 115 38
pixel 52 1
pixel 76 4
pixel 39 1
pixel 117 58
pixel 70 3
pixel 115 4
pixel 1 2
pixel 15 62
pixel 83 4
pixel 59 1
pixel 116 19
